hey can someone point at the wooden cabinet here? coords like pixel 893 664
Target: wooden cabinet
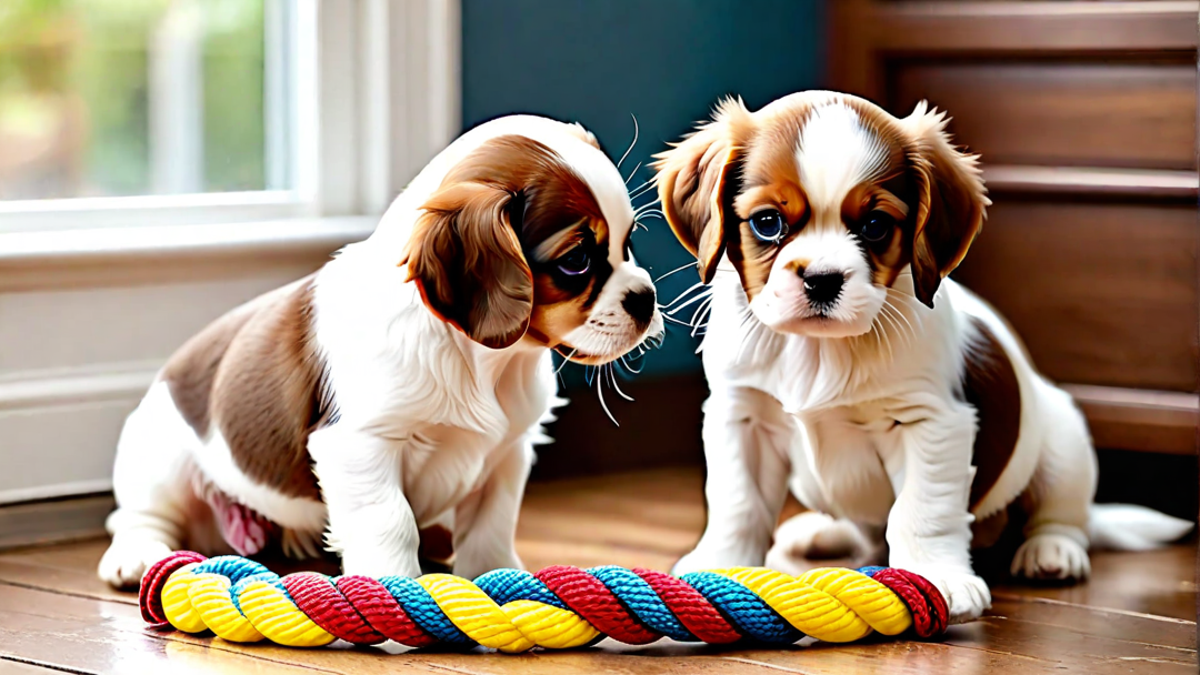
pixel 1085 114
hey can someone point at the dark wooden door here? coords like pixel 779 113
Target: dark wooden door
pixel 1085 114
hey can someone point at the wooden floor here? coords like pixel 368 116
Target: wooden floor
pixel 1136 616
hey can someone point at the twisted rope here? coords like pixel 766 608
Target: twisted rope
pixel 557 608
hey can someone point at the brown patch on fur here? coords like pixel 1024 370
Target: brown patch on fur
pixel 751 257
pixel 866 198
pixel 190 372
pixel 696 183
pixel 990 386
pixel 557 311
pixel 468 252
pixel 952 200
pixel 268 394
pixel 437 545
pixel 254 375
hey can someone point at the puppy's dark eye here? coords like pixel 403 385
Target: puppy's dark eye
pixel 877 226
pixel 575 263
pixel 769 226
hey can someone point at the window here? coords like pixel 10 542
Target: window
pixel 104 99
pixel 154 112
pixel 100 98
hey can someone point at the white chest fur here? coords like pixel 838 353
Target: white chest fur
pixel 846 396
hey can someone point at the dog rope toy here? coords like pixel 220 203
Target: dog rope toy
pixel 557 608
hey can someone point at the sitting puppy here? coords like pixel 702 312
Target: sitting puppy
pixel 393 397
pixel 844 365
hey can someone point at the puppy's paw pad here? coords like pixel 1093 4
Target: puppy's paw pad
pixel 818 536
pixel 1051 556
pixel 966 594
pixel 126 560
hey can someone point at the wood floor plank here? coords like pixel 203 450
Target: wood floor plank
pixel 96 636
pixel 1158 582
pixel 1132 617
pixel 65 568
pixel 11 667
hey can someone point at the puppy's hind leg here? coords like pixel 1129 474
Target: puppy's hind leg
pixel 1059 496
pixel 152 485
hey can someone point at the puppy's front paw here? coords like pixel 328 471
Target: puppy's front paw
pixel 813 536
pixel 377 564
pixel 966 594
pixel 1051 556
pixel 128 558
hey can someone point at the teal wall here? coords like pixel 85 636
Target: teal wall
pixel 665 61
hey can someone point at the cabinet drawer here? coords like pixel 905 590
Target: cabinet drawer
pixel 1102 293
pixel 1079 114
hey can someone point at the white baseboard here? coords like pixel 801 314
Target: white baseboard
pixel 82 336
pixel 54 521
pixel 58 429
pixel 59 387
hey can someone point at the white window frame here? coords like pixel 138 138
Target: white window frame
pixel 378 95
pixel 375 85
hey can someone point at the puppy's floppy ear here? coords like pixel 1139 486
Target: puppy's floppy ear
pixel 695 186
pixel 467 262
pixel 952 200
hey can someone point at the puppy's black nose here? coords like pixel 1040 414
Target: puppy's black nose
pixel 640 305
pixel 823 288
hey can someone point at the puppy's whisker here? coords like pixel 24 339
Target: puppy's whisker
pixel 672 319
pixel 700 316
pixel 603 403
pixel 565 361
pixel 698 298
pixel 612 376
pixel 677 269
pixel 650 204
pixel 904 299
pixel 699 289
pixel 911 333
pixel 631 144
pixel 641 190
pixel 696 286
pixel 883 333
pixel 634 173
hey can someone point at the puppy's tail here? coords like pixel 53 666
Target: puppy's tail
pixel 1125 527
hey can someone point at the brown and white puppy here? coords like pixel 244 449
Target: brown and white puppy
pixel 396 392
pixel 845 365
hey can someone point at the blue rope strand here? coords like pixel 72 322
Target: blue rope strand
pixel 640 598
pixel 749 613
pixel 507 585
pixel 419 604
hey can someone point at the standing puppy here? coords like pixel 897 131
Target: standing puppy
pixel 844 365
pixel 393 397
